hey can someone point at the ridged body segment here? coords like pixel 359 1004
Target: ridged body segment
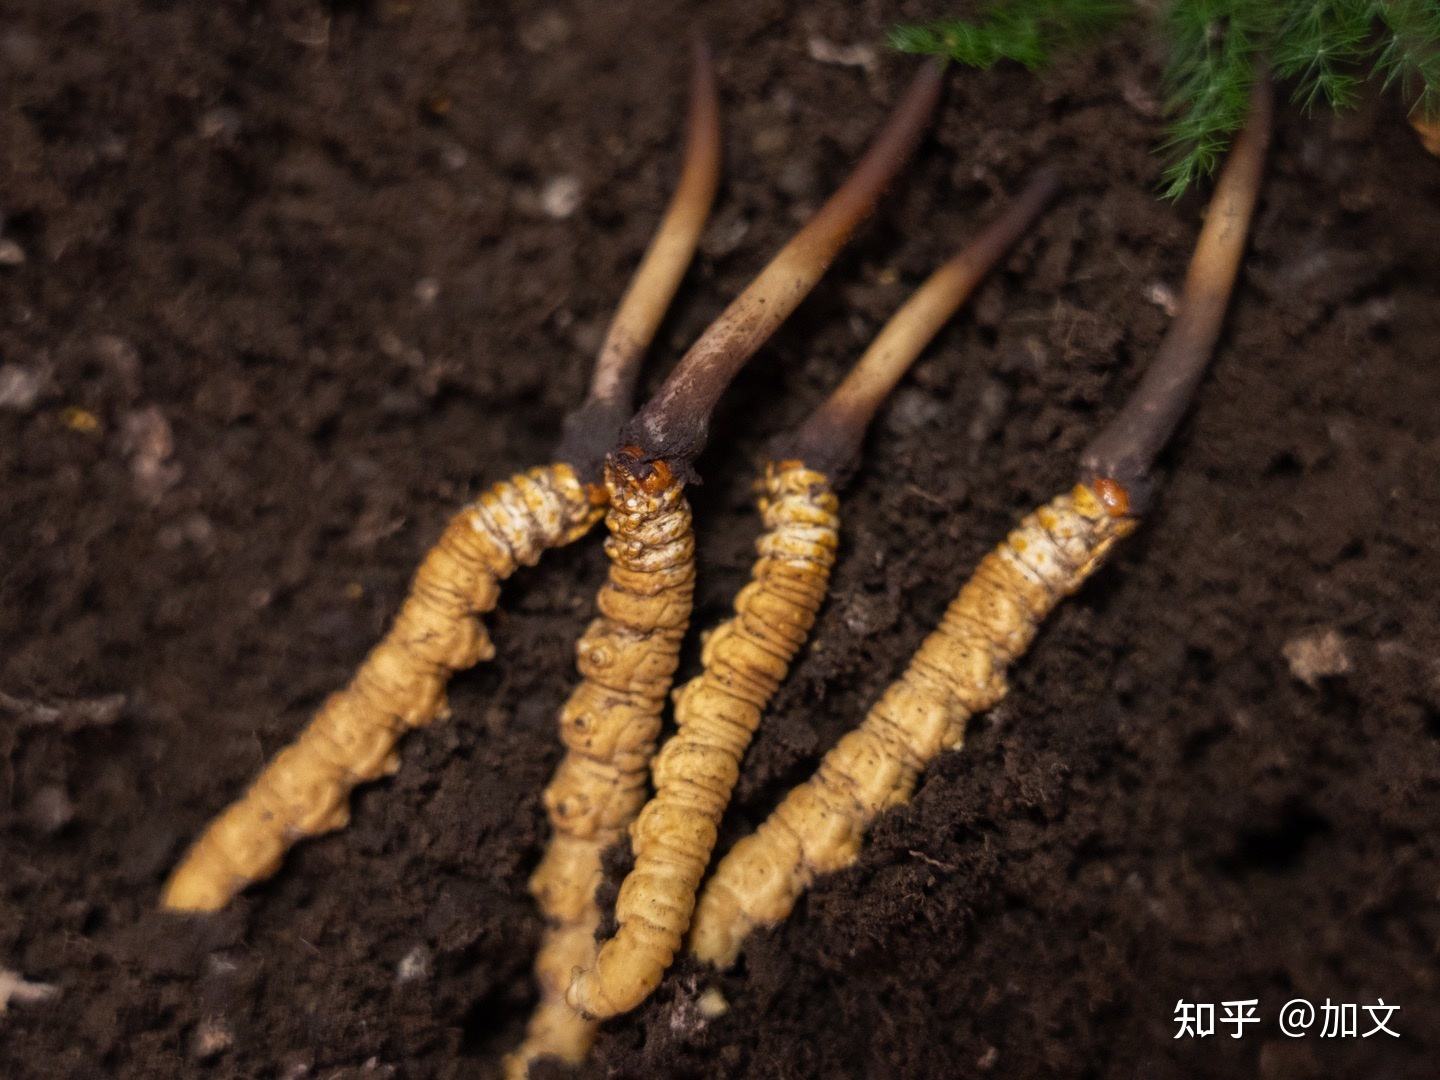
pixel 744 660
pixel 957 672
pixel 305 788
pixel 627 658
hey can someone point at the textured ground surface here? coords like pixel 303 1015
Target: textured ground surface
pixel 293 287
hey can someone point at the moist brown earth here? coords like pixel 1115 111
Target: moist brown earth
pixel 298 280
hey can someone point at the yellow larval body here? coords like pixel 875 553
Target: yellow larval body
pixel 627 659
pixel 744 661
pixel 304 789
pixel 958 671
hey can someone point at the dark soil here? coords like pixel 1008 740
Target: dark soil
pixel 291 292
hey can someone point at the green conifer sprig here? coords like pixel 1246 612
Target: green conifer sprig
pixel 1324 49
pixel 1028 32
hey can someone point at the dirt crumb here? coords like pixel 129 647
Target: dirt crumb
pixel 1318 655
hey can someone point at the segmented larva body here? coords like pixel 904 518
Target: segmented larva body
pixel 304 789
pixel 958 671
pixel 627 658
pixel 745 659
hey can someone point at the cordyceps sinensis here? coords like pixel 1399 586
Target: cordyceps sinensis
pixel 305 788
pixel 747 657
pixel 627 656
pixel 959 670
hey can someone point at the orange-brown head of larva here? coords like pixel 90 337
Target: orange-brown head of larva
pixel 653 477
pixel 1113 496
pixel 658 478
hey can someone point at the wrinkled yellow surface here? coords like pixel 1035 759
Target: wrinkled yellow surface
pixel 627 658
pixel 958 671
pixel 745 659
pixel 305 788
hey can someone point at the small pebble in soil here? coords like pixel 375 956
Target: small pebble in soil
pixel 560 197
pixel 11 253
pixel 712 1004
pixel 146 438
pixel 865 615
pixel 19 387
pixel 212 1038
pixel 16 990
pixel 691 1013
pixel 1163 297
pixel 414 965
pixel 1318 654
pixel 827 52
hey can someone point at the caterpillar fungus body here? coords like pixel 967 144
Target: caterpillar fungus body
pixel 304 790
pixel 627 658
pixel 401 685
pixel 958 671
pixel 629 655
pixel 744 659
pixel 960 668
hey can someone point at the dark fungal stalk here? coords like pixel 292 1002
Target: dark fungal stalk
pixel 829 440
pixel 591 429
pixel 1125 450
pixel 674 424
